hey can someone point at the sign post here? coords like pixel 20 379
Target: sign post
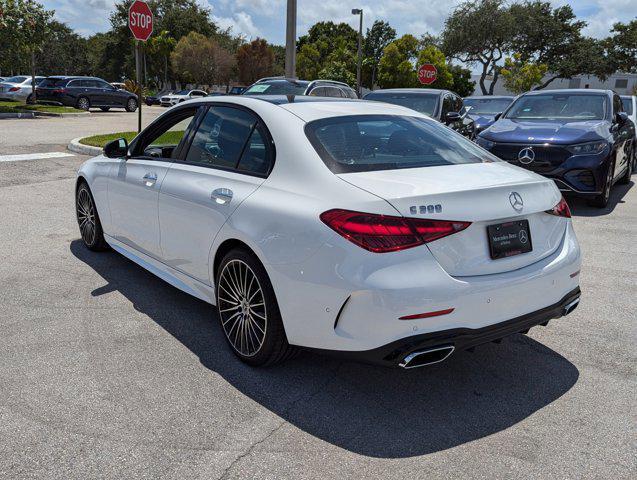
pixel 140 22
pixel 427 74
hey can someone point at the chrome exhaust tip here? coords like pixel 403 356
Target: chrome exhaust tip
pixel 427 357
pixel 571 306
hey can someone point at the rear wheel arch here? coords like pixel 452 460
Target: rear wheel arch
pixel 223 249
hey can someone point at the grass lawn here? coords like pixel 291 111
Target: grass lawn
pixel 168 138
pixel 17 107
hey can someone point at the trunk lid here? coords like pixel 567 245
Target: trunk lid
pixel 478 193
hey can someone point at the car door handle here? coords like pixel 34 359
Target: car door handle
pixel 221 195
pixel 150 179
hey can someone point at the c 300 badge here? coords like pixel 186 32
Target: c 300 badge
pixel 425 209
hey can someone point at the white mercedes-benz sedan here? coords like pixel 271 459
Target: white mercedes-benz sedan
pixel 343 226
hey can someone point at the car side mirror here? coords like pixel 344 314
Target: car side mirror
pixel 116 149
pixel 498 116
pixel 621 117
pixel 453 117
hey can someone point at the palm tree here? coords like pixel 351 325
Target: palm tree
pixel 163 44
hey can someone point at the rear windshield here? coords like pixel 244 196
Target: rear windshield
pixel 421 102
pixel 281 87
pixel 15 79
pixel 559 106
pixel 487 106
pixel 365 143
pixel 53 82
pixel 627 102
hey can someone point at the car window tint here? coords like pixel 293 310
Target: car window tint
pixel 220 138
pixel 318 92
pixel 103 84
pixel 421 102
pixel 627 103
pixel 580 106
pixel 332 92
pixel 257 155
pixel 386 142
pixel 54 82
pixel 617 104
pixel 162 142
pixel 447 105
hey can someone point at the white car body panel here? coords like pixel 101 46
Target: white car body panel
pixel 174 229
pixel 24 90
pixel 173 99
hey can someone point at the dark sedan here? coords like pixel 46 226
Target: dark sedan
pixel 443 105
pixel 580 138
pixel 483 109
pixel 85 93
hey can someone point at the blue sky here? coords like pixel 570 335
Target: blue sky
pixel 266 18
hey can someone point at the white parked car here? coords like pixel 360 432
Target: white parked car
pixel 18 88
pixel 181 96
pixel 344 226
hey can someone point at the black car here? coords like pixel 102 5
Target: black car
pixel 443 105
pixel 156 99
pixel 483 109
pixel 292 86
pixel 581 138
pixel 85 93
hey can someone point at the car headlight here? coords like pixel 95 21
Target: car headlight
pixel 484 143
pixel 590 148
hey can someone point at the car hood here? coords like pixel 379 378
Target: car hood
pixel 546 131
pixel 482 120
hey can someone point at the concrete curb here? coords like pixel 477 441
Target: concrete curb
pixel 50 114
pixel 76 147
pixel 18 115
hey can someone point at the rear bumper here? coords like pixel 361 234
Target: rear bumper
pixel 394 353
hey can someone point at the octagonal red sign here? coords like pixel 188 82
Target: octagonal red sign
pixel 140 20
pixel 427 74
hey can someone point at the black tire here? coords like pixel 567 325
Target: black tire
pixel 105 109
pixel 83 103
pixel 88 219
pixel 625 180
pixel 250 313
pixel 131 105
pixel 601 200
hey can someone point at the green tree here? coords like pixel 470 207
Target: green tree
pixel 339 71
pixel 621 47
pixel 444 79
pixel 376 39
pixel 65 53
pixel 163 45
pixel 479 33
pixel 521 76
pixel 462 83
pixel 396 68
pixel 202 60
pixel 308 62
pixel 255 60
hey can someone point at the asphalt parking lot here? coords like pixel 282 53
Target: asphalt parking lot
pixel 108 372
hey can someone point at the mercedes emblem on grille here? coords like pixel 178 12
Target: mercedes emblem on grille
pixel 516 201
pixel 526 155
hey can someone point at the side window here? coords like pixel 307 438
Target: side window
pixel 318 92
pixel 458 107
pixel 162 142
pixel 221 137
pixel 198 93
pixel 447 105
pixel 103 84
pixel 617 105
pixel 332 92
pixel 257 156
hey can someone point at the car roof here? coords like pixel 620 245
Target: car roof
pixel 424 91
pixel 309 108
pixel 569 91
pixel 480 97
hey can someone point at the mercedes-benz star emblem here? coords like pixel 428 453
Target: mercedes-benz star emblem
pixel 526 155
pixel 516 201
pixel 523 236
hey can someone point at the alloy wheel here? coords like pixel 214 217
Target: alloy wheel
pixel 86 216
pixel 83 103
pixel 242 308
pixel 132 104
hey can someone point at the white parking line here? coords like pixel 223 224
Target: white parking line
pixel 34 156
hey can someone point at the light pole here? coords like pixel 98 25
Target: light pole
pixel 359 11
pixel 290 41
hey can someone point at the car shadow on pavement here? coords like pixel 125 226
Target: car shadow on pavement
pixel 580 207
pixel 369 410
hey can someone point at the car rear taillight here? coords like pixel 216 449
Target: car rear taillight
pixel 385 233
pixel 561 209
pixel 59 90
pixel 14 89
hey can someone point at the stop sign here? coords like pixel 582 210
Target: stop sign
pixel 140 20
pixel 427 74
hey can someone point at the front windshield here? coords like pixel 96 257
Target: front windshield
pixel 559 106
pixel 627 103
pixel 282 87
pixel 421 102
pixel 363 143
pixel 487 106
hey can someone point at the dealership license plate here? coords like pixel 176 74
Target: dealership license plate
pixel 509 239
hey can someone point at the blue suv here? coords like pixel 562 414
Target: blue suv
pixel 580 138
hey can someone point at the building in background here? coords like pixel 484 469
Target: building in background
pixel 622 83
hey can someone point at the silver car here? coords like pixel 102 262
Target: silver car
pixel 18 88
